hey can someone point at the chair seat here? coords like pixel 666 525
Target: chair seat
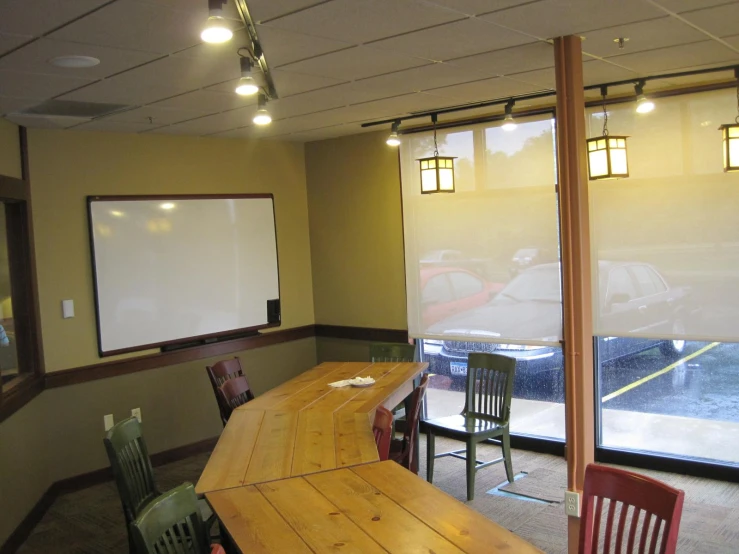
pixel 461 425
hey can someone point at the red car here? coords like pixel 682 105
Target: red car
pixel 447 291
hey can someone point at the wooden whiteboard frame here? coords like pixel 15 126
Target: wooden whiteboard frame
pixel 194 341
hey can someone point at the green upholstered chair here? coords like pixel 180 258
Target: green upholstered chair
pixel 484 418
pixel 171 524
pixel 132 471
pixel 392 352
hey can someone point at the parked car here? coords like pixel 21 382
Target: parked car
pixel 447 291
pixel 456 259
pixel 525 258
pixel 633 294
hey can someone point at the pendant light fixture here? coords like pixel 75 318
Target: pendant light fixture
pixel 643 104
pixel 392 139
pixel 607 154
pixel 730 136
pixel 216 29
pixel 262 116
pixel 508 123
pixel 246 86
pixel 437 172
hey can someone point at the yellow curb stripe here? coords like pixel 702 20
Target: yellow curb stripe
pixel 658 373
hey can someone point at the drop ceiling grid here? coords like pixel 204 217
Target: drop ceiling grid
pixel 319 47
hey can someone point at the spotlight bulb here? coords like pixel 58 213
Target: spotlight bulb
pixel 262 117
pixel 644 104
pixel 393 139
pixel 508 123
pixel 247 87
pixel 216 30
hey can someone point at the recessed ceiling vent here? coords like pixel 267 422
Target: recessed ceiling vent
pixel 70 108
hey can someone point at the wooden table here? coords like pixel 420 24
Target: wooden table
pixel 296 470
pixel 371 508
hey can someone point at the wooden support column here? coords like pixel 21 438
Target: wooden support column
pixel 576 268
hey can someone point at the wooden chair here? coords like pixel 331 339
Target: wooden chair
pixel 171 524
pixel 392 352
pixel 661 505
pixel 134 476
pixel 484 418
pixel 219 373
pixel 403 450
pixel 382 427
pixel 234 393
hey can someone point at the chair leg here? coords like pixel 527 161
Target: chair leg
pixel 505 444
pixel 430 454
pixel 471 466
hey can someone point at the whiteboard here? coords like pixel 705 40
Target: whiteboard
pixel 168 270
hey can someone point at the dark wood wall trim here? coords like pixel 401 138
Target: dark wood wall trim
pixel 362 333
pixel 79 482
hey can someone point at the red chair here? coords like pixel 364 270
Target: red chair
pixel 404 451
pixel 219 373
pixel 661 505
pixel 234 393
pixel 382 427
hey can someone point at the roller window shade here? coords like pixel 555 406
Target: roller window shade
pixel 482 263
pixel 665 242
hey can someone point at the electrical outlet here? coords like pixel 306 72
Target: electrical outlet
pixel 108 421
pixel 572 503
pixel 136 412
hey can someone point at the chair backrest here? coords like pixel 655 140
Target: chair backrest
pixel 489 386
pixel 411 422
pixel 171 524
pixel 649 508
pixel 129 460
pixel 219 373
pixel 392 352
pixel 382 427
pixel 234 393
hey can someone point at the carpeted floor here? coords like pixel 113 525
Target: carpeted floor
pixel 90 521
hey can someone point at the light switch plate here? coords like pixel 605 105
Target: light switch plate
pixel 67 308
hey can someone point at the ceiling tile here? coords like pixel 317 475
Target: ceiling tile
pixel 210 123
pixel 288 83
pixel 282 47
pixel 720 21
pixel 554 18
pixel 158 80
pixel 35 56
pixel 9 104
pixel 262 10
pixel 36 17
pixel 324 99
pixel 354 63
pixel 45 122
pixel 8 42
pixel 454 40
pixel 137 26
pixel 401 105
pixel 486 89
pixel 646 35
pixel 542 78
pixel 35 85
pixel 326 133
pixel 501 62
pixel 420 78
pixel 112 126
pixel 477 7
pixel 734 41
pixel 154 116
pixel 713 77
pixel 677 57
pixel 679 6
pixel 360 21
pixel 207 101
pixel 230 11
pixel 596 72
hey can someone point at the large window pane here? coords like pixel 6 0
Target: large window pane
pixel 8 353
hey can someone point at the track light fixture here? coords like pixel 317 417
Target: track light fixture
pixel 262 116
pixel 508 123
pixel 643 104
pixel 437 172
pixel 216 29
pixel 607 154
pixel 392 139
pixel 246 86
pixel 730 136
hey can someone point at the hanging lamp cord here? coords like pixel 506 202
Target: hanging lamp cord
pixel 605 117
pixel 436 146
pixel 736 119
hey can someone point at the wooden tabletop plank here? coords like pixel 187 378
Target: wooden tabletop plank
pixel 314 445
pixel 355 442
pixel 320 386
pixel 317 521
pixel 394 528
pixel 230 458
pixel 274 447
pixel 466 528
pixel 253 522
pixel 339 397
pixel 389 392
